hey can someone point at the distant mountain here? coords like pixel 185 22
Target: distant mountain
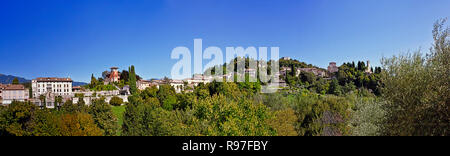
pixel 78 83
pixel 7 79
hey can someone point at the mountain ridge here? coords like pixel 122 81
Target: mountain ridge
pixel 7 79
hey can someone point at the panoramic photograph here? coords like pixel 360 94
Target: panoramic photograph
pixel 224 68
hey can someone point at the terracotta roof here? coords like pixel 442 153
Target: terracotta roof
pixel 14 87
pixel 53 79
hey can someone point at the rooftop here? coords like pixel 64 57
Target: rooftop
pixel 14 87
pixel 53 79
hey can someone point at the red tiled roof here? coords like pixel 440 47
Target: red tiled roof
pixel 53 79
pixel 14 87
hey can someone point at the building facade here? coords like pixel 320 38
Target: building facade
pixel 10 93
pixel 368 68
pixel 315 71
pixel 144 84
pixel 52 85
pixel 2 87
pixel 332 68
pixel 114 75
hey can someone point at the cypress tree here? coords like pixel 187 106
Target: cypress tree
pixel 132 80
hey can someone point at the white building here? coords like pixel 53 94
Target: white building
pixel 51 85
pixel 178 85
pixel 197 79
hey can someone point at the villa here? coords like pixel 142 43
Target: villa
pixel 10 93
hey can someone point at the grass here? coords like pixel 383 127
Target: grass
pixel 118 112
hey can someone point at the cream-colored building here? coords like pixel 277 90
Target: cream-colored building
pixel 10 93
pixel 144 84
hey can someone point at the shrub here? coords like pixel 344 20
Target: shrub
pixel 116 101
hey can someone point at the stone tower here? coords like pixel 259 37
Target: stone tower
pixel 368 69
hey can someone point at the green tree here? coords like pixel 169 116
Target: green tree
pixel 103 116
pixel 284 122
pixel 77 124
pixel 69 107
pixel 132 80
pixel 133 118
pixel 367 117
pixel 169 102
pixel 307 77
pixel 335 88
pixel 58 101
pixel 42 99
pixel 15 81
pixel 93 81
pixel 14 121
pixel 30 93
pixel 417 91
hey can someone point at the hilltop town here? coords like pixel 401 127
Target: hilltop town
pixel 51 92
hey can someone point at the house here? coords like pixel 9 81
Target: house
pixel 77 89
pixel 197 79
pixel 144 84
pixel 12 93
pixel 284 71
pixel 112 76
pixel 315 71
pixel 178 85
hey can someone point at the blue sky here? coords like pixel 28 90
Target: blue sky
pixel 75 38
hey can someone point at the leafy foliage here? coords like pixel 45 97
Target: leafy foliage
pixel 116 101
pixel 416 88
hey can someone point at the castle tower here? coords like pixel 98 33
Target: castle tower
pixel 332 68
pixel 114 76
pixel 368 69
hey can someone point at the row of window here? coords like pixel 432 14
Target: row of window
pixel 54 86
pixel 14 97
pixel 15 92
pixel 56 90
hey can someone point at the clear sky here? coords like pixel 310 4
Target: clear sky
pixel 75 38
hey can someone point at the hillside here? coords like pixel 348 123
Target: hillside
pixel 7 79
